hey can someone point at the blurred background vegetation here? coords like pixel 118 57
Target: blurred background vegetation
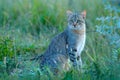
pixel 27 26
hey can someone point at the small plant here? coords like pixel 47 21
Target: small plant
pixel 6 54
pixel 6 47
pixel 109 27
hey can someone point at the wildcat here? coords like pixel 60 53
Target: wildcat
pixel 65 49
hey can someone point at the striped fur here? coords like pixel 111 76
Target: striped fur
pixel 66 47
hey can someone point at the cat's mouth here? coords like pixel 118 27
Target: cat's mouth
pixel 77 27
pixel 74 26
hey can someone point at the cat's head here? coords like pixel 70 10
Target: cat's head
pixel 76 20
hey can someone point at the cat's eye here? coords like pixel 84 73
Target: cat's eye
pixel 71 20
pixel 78 21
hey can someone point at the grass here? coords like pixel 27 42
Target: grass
pixel 27 26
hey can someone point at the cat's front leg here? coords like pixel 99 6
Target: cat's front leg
pixel 79 62
pixel 73 57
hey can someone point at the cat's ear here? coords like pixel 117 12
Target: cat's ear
pixel 83 14
pixel 68 12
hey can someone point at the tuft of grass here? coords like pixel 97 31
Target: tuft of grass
pixel 6 47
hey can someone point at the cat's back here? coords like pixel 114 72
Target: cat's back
pixel 58 44
pixel 56 54
pixel 55 48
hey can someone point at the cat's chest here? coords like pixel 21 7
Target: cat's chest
pixel 76 39
pixel 80 44
pixel 77 42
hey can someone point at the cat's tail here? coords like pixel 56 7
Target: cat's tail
pixel 39 57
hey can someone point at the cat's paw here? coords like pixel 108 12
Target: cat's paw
pixel 74 50
pixel 72 57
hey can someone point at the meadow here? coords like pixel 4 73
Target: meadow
pixel 27 27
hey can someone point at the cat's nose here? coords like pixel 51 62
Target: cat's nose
pixel 74 24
